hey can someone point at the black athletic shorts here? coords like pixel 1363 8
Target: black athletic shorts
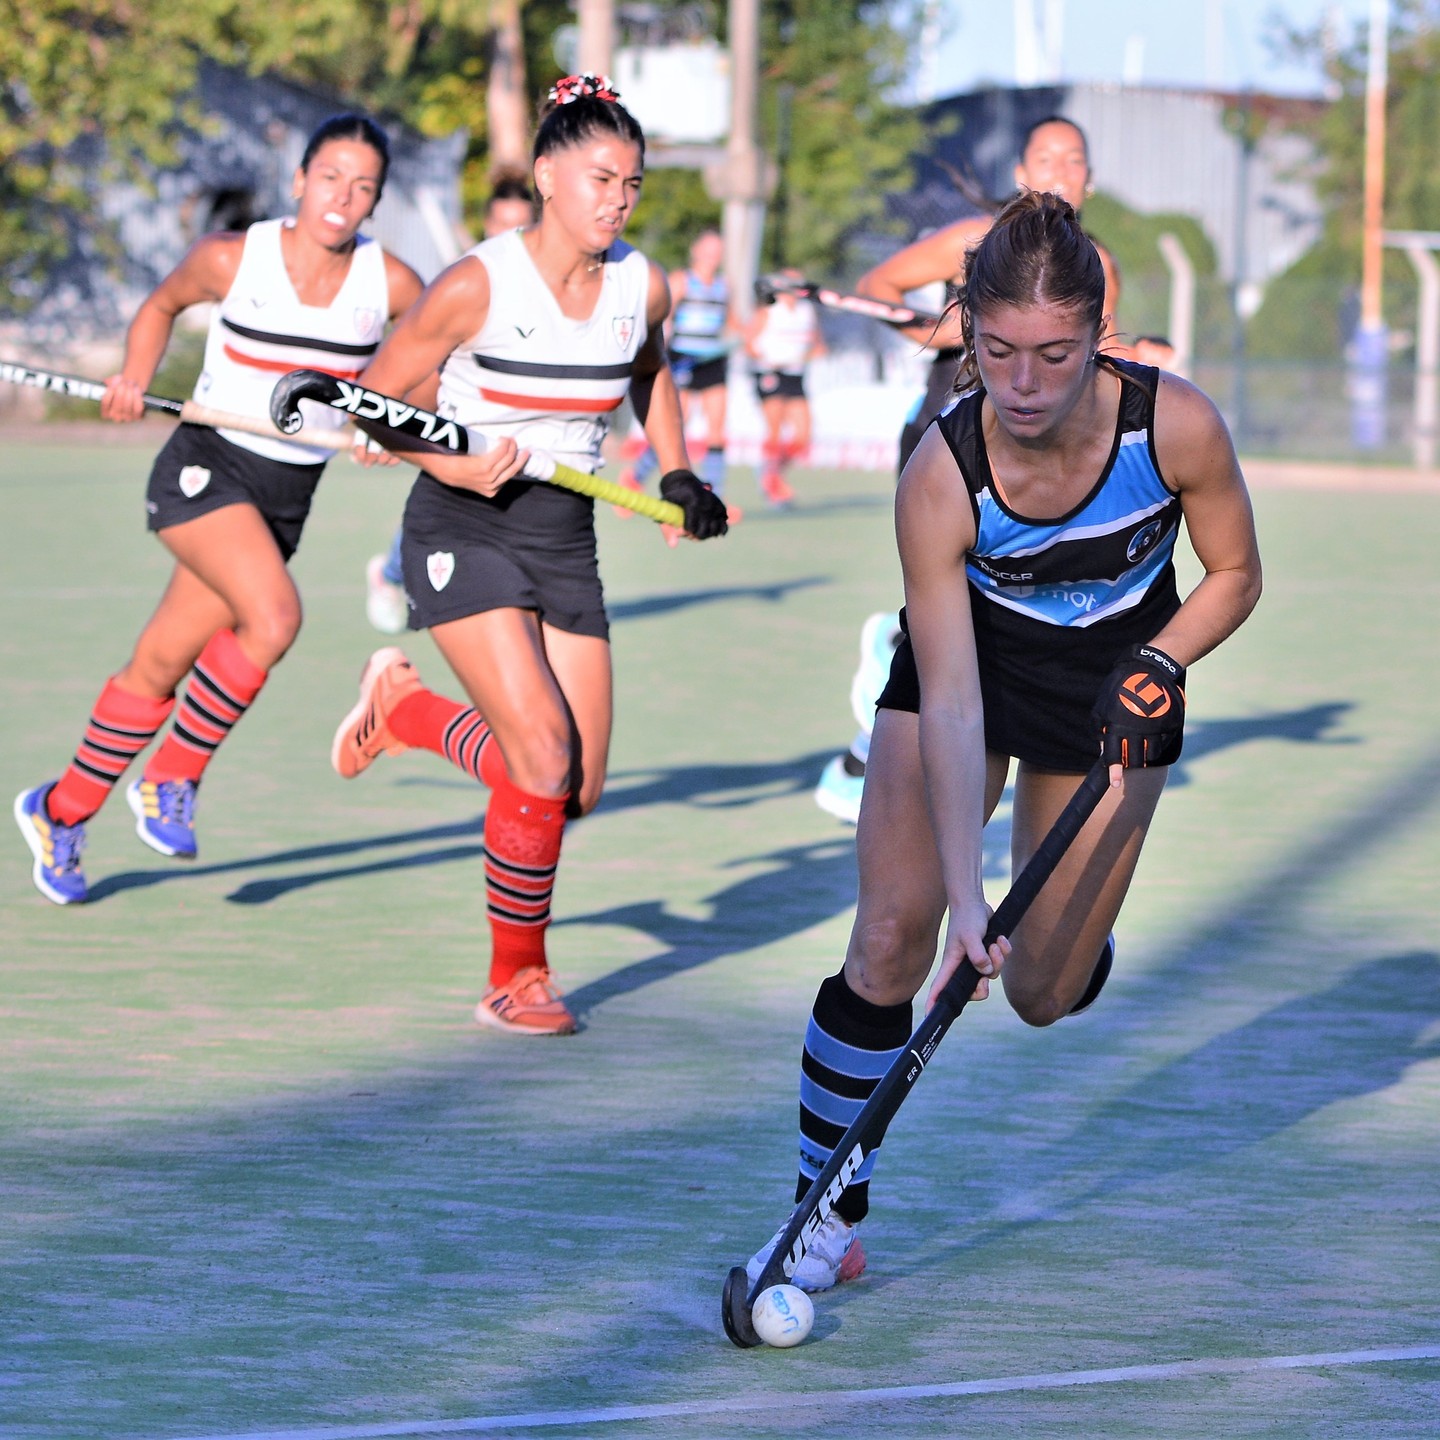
pixel 198 471
pixel 460 557
pixel 696 375
pixel 770 383
pixel 1039 688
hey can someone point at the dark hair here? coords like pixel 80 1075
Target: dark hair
pixel 1030 130
pixel 351 126
pixel 1034 254
pixel 581 108
pixel 510 187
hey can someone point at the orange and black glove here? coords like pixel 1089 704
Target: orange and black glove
pixel 1141 710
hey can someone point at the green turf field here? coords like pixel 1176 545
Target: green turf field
pixel 262 1175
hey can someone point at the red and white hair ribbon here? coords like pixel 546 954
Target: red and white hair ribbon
pixel 583 87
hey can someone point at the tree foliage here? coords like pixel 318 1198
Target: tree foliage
pixel 112 82
pixel 1314 295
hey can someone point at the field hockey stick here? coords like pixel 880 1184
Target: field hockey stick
pixel 767 287
pixel 863 1137
pixel 384 417
pixel 77 387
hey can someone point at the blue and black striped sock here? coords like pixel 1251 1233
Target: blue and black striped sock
pixel 849 1045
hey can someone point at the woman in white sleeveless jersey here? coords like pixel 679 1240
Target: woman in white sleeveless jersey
pixel 538 335
pixel 782 338
pixel 230 506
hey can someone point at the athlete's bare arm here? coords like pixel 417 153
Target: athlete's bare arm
pixel 940 256
pixel 935 527
pixel 404 285
pixel 205 274
pixel 653 395
pixel 446 315
pixel 1197 460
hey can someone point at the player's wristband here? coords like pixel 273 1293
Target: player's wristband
pixel 705 514
pixel 1140 711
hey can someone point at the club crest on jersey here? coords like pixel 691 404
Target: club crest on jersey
pixel 367 321
pixel 624 330
pixel 1142 542
pixel 440 566
pixel 193 479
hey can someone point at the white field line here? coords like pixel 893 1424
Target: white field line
pixel 787 1402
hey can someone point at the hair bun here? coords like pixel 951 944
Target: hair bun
pixel 583 87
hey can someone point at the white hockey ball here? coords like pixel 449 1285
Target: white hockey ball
pixel 783 1316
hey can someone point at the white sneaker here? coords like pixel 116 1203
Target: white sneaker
pixel 835 1255
pixel 879 636
pixel 838 792
pixel 386 607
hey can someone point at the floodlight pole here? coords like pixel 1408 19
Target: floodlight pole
pixel 743 216
pixel 597 36
pixel 1371 343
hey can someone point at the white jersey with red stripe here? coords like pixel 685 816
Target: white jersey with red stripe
pixel 788 335
pixel 261 330
pixel 533 373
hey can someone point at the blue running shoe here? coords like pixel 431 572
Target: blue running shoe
pixel 165 815
pixel 56 848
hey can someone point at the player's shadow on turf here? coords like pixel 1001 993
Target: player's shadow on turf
pixel 1356 1038
pixel 709 787
pixel 142 879
pixel 807 884
pixel 703 786
pixel 1314 725
pixel 688 599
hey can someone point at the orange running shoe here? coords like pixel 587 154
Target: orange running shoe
pixel 776 491
pixel 530 1004
pixel 363 736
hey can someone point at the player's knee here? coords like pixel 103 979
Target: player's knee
pixel 1035 1005
pixel 890 952
pixel 271 630
pixel 543 761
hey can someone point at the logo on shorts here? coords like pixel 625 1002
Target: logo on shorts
pixel 624 330
pixel 193 479
pixel 440 567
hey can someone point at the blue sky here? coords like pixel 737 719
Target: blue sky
pixel 1182 42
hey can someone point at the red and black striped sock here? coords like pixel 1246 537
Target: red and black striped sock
pixel 121 726
pixel 522 851
pixel 428 721
pixel 221 688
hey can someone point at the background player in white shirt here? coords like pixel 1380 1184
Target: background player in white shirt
pixel 783 336
pixel 308 292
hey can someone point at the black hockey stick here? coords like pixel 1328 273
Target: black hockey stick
pixel 384 417
pixel 767 287
pixel 77 387
pixel 864 1135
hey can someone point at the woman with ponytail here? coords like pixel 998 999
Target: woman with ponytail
pixel 537 336
pixel 1036 521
